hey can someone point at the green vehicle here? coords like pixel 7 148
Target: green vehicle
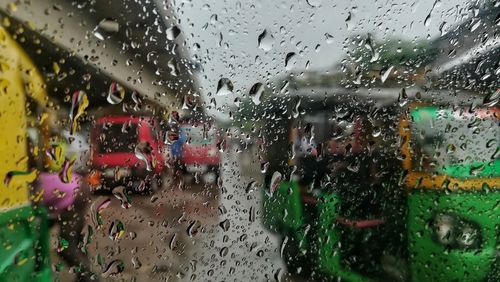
pixel 453 167
pixel 336 192
pixel 436 217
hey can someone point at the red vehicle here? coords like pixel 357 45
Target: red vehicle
pixel 127 151
pixel 200 153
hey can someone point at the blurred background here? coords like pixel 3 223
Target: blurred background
pixel 249 140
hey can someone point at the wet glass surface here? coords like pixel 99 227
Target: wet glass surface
pixel 304 140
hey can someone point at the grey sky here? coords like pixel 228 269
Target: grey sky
pixel 296 27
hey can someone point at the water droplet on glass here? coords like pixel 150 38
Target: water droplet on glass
pixel 314 3
pixel 140 153
pixel 65 174
pixel 384 73
pixel 477 169
pixel 373 52
pixel 492 98
pixel 348 21
pixel 173 242
pixel 265 40
pixel 443 28
pixel 79 103
pixel 193 228
pixel 187 102
pixel 402 98
pixel 224 87
pixel 116 230
pixel 290 60
pixel 275 181
pixel 296 108
pixel 251 187
pixel 329 38
pixel 251 216
pixel 491 143
pixel 62 244
pixel 97 208
pixel 427 20
pixel 120 193
pixel 114 268
pixel 105 28
pixel 237 102
pixel 475 25
pixel 173 32
pixel 256 93
pixel 136 262
pixel 264 167
pixel 224 251
pixel 225 225
pixel 173 66
pixel 28 175
pixel 87 234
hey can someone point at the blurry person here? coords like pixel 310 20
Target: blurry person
pixel 176 149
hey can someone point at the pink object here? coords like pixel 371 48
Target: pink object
pixel 57 195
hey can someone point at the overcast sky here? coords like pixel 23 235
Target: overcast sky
pixel 227 33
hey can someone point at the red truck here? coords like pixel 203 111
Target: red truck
pixel 127 151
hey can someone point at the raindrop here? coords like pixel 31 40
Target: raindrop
pixel 251 216
pixel 62 244
pixel 251 187
pixel 65 174
pixel 475 25
pixel 384 73
pixel 224 251
pixel 87 234
pixel 173 32
pixel 296 108
pixel 116 93
pixel 314 3
pixel 256 93
pixel 136 262
pixel 116 230
pixel 265 40
pixel 97 209
pixel 402 98
pixel 348 21
pixel 443 28
pixel 105 28
pixel 373 52
pixel 225 225
pixel 173 242
pixel 224 87
pixel 290 60
pixel 187 102
pixel 492 98
pixel 137 101
pixel 237 102
pixel 120 193
pixel 13 174
pixel 451 148
pixel 193 228
pixel 427 20
pixel 114 268
pixel 491 143
pixel 140 154
pixel 329 38
pixel 275 181
pixel 79 103
pixel 475 170
pixel 376 132
pixel 264 167
pixel 173 66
